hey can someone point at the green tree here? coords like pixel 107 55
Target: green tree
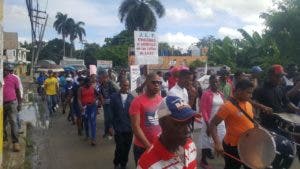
pixel 53 50
pixel 60 25
pixel 140 14
pixel 283 25
pixel 76 30
pixel 257 50
pixel 224 52
pixel 197 63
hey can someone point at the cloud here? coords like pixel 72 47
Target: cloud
pixel 246 11
pixel 230 32
pixel 177 15
pixel 178 40
pixel 235 34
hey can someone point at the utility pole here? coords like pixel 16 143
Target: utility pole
pixel 38 20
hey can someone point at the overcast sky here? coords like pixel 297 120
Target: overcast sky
pixel 184 23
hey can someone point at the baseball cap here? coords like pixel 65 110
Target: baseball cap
pixel 69 79
pixel 256 69
pixel 8 67
pixel 277 69
pixel 176 108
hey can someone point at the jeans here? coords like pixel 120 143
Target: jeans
pixel 90 121
pixel 231 163
pixel 137 152
pixel 51 102
pixel 123 143
pixel 107 118
pixel 10 116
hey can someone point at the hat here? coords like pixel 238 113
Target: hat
pixel 69 79
pixel 8 67
pixel 277 69
pixel 176 108
pixel 223 72
pixel 256 69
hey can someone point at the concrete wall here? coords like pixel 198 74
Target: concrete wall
pixel 10 40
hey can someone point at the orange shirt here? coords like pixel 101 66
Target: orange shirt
pixel 235 121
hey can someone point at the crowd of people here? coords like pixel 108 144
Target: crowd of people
pixel 159 120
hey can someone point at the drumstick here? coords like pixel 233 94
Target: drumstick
pixel 233 157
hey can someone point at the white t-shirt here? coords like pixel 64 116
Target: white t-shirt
pixel 179 92
pixel 123 98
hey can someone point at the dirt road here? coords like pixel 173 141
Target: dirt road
pixel 59 147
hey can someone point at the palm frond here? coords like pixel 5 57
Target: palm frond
pixel 157 7
pixel 126 7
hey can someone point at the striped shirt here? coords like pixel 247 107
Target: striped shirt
pixel 158 157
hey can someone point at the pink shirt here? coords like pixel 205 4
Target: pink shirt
pixel 11 83
pixel 147 109
pixel 206 104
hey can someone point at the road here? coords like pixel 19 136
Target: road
pixel 59 147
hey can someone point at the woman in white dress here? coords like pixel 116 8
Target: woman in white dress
pixel 210 103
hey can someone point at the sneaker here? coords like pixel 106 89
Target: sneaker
pixel 210 155
pixel 16 147
pixel 205 166
pixel 109 137
pixel 93 143
pixel 47 124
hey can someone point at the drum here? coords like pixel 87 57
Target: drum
pixel 289 122
pixel 259 149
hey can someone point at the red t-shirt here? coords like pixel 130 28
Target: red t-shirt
pixel 147 109
pixel 159 157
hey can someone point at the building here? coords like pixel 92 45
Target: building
pixel 14 53
pixel 78 64
pixel 165 62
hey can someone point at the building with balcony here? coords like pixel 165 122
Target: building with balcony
pixel 14 53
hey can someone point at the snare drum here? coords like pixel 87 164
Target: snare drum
pixel 260 149
pixel 289 123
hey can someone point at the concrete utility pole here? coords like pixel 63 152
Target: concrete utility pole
pixel 1 82
pixel 38 20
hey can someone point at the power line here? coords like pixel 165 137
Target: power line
pixel 38 20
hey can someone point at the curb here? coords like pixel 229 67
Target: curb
pixel 15 160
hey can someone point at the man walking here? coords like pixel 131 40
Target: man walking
pixel 120 103
pixel 180 89
pixel 143 115
pixel 11 104
pixel 174 148
pixel 51 89
pixel 106 90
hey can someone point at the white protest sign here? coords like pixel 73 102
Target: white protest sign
pixel 134 75
pixel 145 47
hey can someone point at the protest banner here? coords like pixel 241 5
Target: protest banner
pixel 134 75
pixel 145 47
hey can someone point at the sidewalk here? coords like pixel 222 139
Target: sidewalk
pixel 15 160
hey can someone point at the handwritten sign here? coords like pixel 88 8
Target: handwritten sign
pixel 145 47
pixel 134 75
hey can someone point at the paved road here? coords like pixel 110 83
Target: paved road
pixel 59 147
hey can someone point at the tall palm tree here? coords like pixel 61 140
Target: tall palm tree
pixel 60 25
pixel 140 14
pixel 76 30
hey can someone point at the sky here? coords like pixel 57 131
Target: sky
pixel 184 23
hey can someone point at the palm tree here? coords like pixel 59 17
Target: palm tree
pixel 140 14
pixel 60 25
pixel 76 30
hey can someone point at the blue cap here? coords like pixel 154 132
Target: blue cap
pixel 176 108
pixel 256 69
